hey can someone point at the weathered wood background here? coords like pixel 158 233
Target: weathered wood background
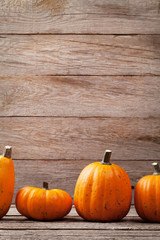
pixel 78 77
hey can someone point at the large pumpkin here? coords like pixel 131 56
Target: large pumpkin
pixel 7 179
pixel 43 204
pixel 103 191
pixel 147 196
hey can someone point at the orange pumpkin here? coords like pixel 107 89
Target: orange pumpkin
pixel 7 179
pixel 147 196
pixel 43 204
pixel 103 191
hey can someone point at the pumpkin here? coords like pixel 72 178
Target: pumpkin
pixel 147 196
pixel 103 191
pixel 7 179
pixel 43 204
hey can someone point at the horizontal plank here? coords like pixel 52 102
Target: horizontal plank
pixel 79 55
pixel 74 227
pixel 81 138
pixel 80 234
pixel 69 223
pixel 80 16
pixel 63 174
pixel 103 96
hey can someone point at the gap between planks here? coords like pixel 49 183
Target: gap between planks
pixel 83 160
pixel 76 117
pixel 80 34
pixel 83 75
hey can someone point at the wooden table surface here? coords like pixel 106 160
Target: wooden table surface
pixel 15 226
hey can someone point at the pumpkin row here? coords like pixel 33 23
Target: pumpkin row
pixel 102 193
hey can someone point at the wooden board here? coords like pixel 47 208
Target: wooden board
pixel 63 174
pixel 107 96
pixel 80 16
pixel 70 223
pixel 81 234
pixel 79 55
pixel 15 226
pixel 81 138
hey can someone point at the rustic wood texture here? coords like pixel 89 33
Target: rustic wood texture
pixel 70 223
pixel 79 55
pixel 59 124
pixel 79 234
pixel 80 16
pixel 81 138
pixel 102 96
pixel 107 96
pixel 73 226
pixel 63 174
pixel 15 226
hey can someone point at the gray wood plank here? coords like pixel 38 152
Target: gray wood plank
pixel 73 227
pixel 80 234
pixel 80 138
pixel 127 224
pixel 63 174
pixel 79 55
pixel 103 96
pixel 80 16
pixel 15 226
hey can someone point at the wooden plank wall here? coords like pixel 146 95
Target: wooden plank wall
pixel 78 77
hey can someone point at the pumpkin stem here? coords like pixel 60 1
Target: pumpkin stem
pixel 7 152
pixel 45 185
pixel 106 157
pixel 156 168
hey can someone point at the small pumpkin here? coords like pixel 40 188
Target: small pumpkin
pixel 147 196
pixel 103 191
pixel 7 179
pixel 43 204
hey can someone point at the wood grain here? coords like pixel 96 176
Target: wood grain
pixel 59 124
pixel 68 223
pixel 79 55
pixel 15 226
pixel 107 96
pixel 81 138
pixel 63 174
pixel 80 16
pixel 79 234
